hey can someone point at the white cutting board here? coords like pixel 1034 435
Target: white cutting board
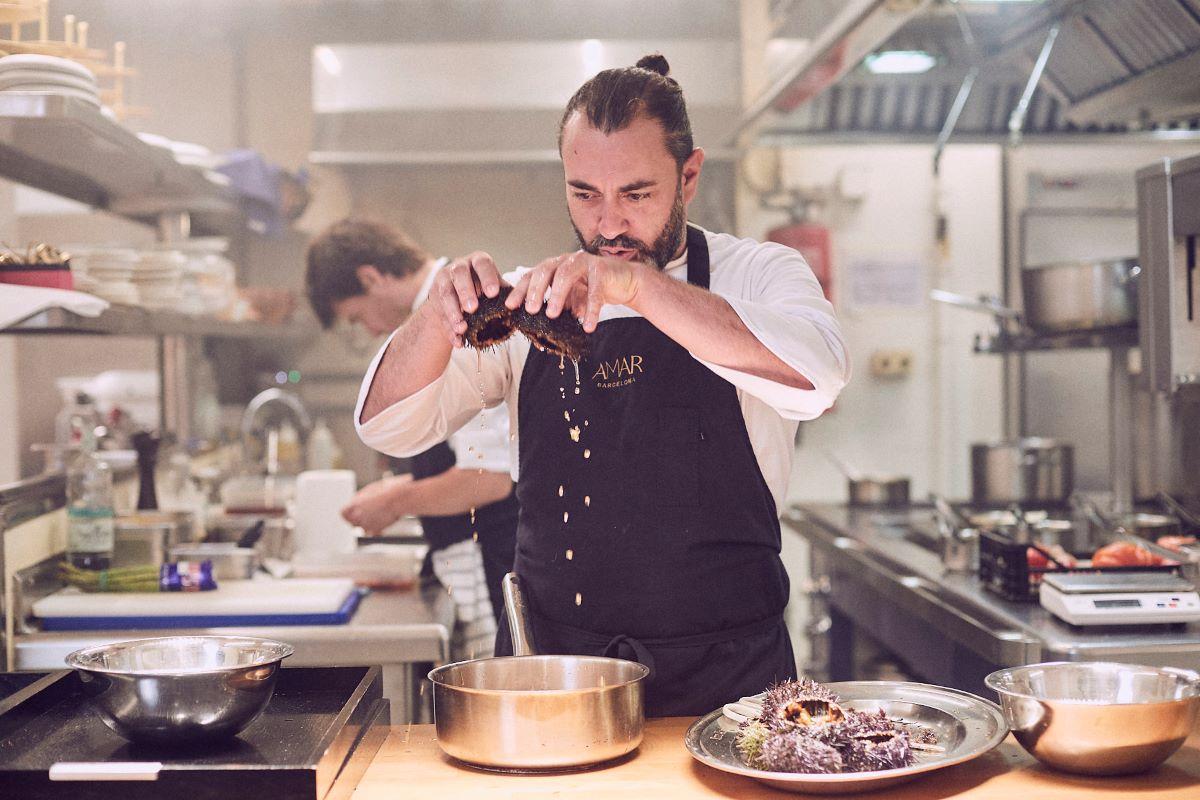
pixel 290 596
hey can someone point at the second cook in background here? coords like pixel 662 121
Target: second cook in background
pixel 366 273
pixel 651 484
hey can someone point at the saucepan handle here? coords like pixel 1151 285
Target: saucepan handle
pixel 518 616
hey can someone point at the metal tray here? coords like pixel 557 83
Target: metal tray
pixel 314 740
pixel 966 725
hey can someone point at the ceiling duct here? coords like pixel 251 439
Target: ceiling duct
pixel 858 29
pixel 1124 62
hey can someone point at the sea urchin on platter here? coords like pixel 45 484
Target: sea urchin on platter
pixel 943 727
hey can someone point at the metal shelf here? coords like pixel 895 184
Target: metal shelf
pixel 66 146
pixel 425 158
pixel 130 321
pixel 1108 338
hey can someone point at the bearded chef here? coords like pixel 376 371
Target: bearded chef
pixel 650 498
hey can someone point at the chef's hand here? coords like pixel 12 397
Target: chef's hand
pixel 581 282
pixel 377 505
pixel 456 290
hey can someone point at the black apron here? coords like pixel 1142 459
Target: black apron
pixel 496 524
pixel 669 553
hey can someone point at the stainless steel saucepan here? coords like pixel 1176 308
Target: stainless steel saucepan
pixel 1081 295
pixel 530 712
pixel 1030 471
pixel 1070 296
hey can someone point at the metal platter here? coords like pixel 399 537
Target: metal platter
pixel 966 726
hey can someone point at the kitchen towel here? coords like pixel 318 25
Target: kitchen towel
pixel 21 302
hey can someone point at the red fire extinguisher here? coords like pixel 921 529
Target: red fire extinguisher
pixel 813 242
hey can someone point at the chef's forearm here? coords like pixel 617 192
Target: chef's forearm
pixel 416 357
pixel 708 328
pixel 455 491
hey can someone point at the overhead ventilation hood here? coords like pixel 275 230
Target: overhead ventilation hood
pixel 1114 66
pixel 489 102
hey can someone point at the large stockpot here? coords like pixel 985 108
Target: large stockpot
pixel 1031 471
pixel 1081 295
pixel 531 712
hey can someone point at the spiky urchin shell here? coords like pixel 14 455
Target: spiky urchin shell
pixel 863 723
pixel 781 694
pixel 491 322
pixel 793 751
pixel 855 725
pixel 878 751
pixel 561 336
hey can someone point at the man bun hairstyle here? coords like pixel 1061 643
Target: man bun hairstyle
pixel 655 62
pixel 336 254
pixel 614 98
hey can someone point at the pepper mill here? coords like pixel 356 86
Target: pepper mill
pixel 146 445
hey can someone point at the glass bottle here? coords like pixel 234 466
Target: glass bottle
pixel 90 534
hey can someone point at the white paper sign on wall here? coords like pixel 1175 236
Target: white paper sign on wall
pixel 898 284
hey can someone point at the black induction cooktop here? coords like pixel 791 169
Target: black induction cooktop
pixel 314 740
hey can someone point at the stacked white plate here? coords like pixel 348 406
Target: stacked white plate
pixel 48 75
pixel 157 277
pixel 107 273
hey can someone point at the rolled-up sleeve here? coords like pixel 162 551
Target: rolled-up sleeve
pixel 780 302
pixel 472 381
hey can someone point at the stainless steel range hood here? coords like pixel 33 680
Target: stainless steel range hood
pixel 1116 65
pixel 471 102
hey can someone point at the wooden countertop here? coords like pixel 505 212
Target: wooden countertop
pixel 410 764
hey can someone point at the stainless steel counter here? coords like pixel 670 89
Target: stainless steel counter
pixel 401 631
pixel 884 578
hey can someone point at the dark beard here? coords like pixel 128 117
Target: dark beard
pixel 664 247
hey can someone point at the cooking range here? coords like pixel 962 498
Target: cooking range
pixel 887 574
pixel 316 737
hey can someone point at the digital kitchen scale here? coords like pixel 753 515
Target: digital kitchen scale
pixel 1120 598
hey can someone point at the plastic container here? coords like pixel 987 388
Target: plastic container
pixel 323 452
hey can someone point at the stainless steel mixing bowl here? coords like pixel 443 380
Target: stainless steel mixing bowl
pixel 1097 718
pixel 180 690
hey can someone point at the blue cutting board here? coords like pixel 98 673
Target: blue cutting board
pixel 233 604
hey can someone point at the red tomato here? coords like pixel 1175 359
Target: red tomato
pixel 1124 554
pixel 1176 543
pixel 1035 559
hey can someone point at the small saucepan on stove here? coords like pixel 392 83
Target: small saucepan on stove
pixel 878 491
pixel 1032 471
pixel 871 490
pixel 529 712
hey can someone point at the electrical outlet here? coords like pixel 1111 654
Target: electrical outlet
pixel 891 363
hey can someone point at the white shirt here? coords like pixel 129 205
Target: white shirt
pixel 768 285
pixel 484 443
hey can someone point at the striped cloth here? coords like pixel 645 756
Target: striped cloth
pixel 459 568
